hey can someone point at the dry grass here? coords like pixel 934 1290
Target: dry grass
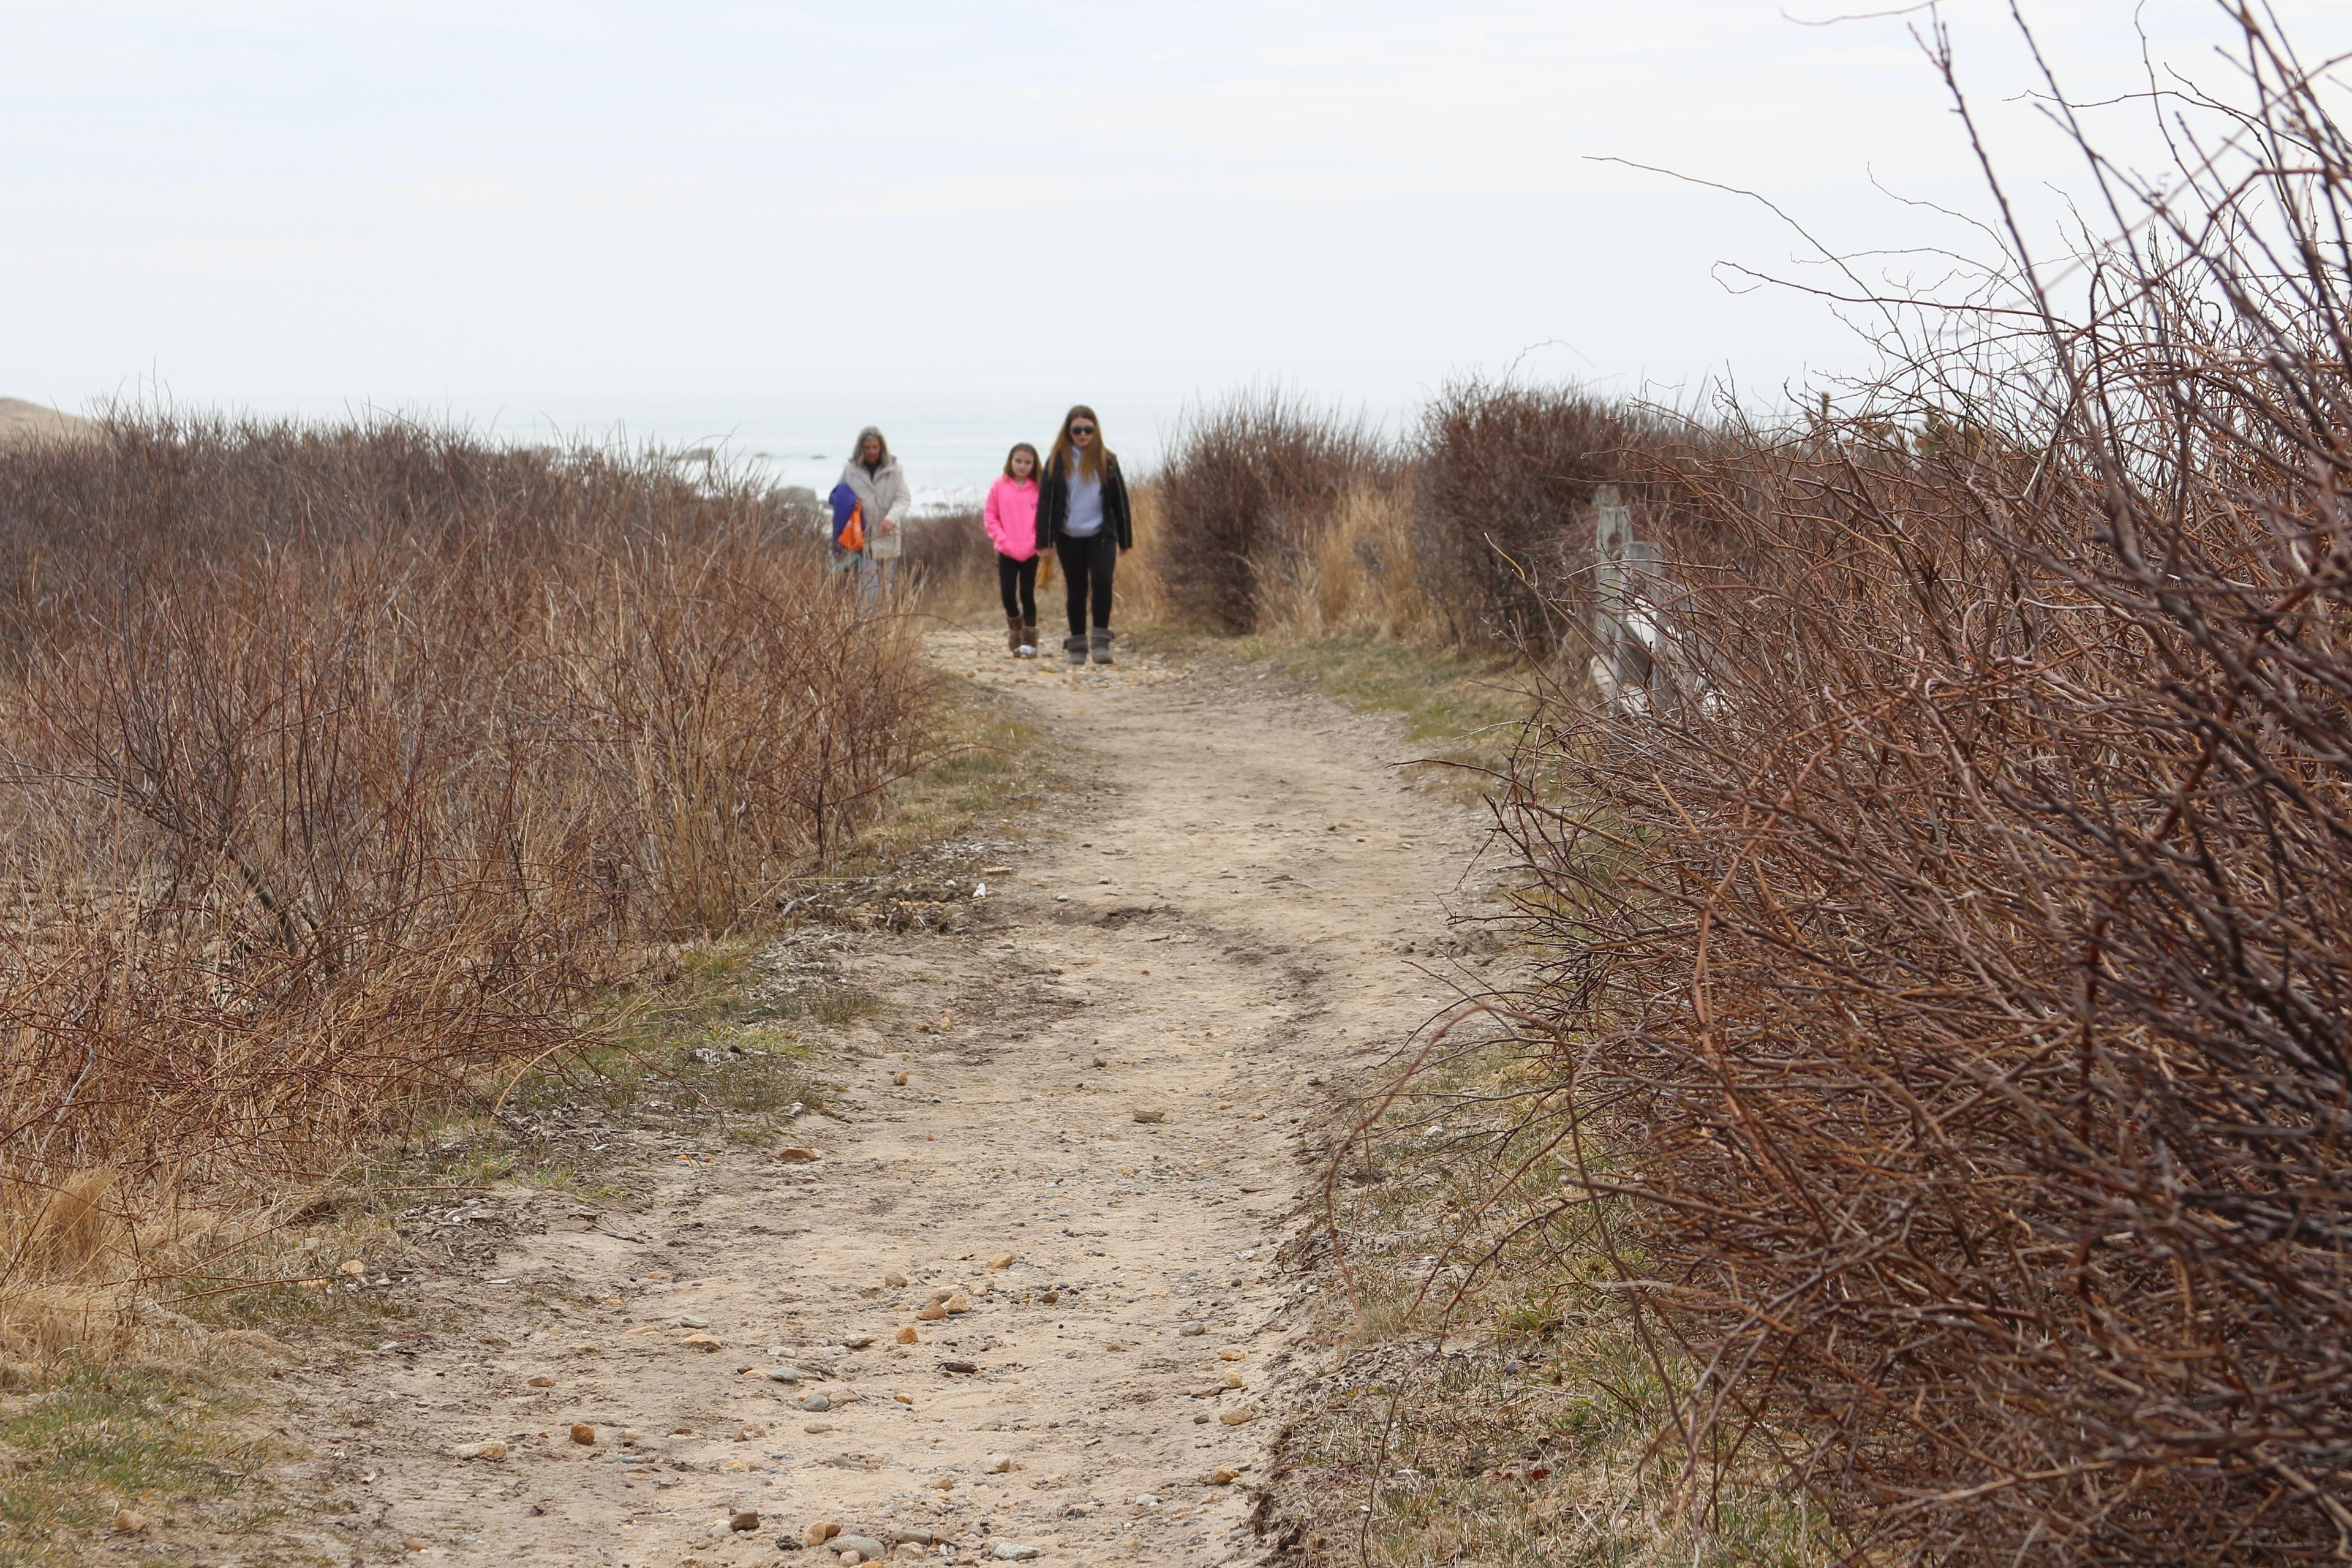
pixel 1355 574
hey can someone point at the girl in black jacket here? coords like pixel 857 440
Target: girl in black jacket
pixel 1083 517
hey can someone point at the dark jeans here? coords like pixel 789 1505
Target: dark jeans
pixel 1018 582
pixel 1087 564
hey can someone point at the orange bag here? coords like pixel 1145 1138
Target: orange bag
pixel 853 532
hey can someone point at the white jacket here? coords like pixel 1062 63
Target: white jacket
pixel 885 499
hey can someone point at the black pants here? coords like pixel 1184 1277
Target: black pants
pixel 1018 582
pixel 1087 567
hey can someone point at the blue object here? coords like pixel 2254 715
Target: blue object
pixel 845 501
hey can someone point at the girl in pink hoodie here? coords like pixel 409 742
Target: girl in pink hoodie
pixel 1010 515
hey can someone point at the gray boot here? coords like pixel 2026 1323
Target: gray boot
pixel 1075 649
pixel 1099 643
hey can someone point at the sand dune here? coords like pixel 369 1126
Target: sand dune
pixel 22 421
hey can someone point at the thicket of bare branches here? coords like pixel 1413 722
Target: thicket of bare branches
pixel 340 766
pixel 1248 488
pixel 1953 979
pixel 1474 529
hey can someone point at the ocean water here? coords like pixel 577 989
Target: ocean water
pixel 951 449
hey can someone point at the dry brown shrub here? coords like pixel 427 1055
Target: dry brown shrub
pixel 1953 979
pixel 1272 515
pixel 341 767
pixel 1246 492
pixel 1503 480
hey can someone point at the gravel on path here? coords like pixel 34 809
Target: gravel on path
pixel 1023 1303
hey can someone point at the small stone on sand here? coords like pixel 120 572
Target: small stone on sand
pixel 813 1401
pixel 899 1079
pixel 932 1314
pixel 896 1281
pixel 996 1463
pixel 907 1335
pixel 822 1531
pixel 1151 1118
pixel 582 1433
pixel 795 1154
pixel 702 1342
pixel 127 1522
pixel 743 1521
pixel 1002 1260
pixel 1235 1417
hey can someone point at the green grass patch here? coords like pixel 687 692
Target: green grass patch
pixel 92 1439
pixel 1489 1400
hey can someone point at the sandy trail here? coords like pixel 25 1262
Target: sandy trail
pixel 1220 921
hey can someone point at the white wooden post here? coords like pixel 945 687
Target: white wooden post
pixel 1613 546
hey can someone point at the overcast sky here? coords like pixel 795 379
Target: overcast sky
pixel 506 206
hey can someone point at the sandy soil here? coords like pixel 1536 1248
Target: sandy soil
pixel 24 421
pixel 1221 928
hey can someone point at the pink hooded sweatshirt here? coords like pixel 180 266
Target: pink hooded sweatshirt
pixel 1012 516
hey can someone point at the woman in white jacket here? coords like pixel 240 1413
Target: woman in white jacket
pixel 882 498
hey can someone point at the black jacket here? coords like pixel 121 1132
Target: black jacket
pixel 1054 507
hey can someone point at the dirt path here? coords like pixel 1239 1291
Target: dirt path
pixel 1227 916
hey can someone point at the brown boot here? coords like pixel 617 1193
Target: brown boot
pixel 1012 638
pixel 1028 639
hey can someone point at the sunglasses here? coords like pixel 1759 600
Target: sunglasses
pixel 1082 429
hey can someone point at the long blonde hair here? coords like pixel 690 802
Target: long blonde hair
pixel 1091 465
